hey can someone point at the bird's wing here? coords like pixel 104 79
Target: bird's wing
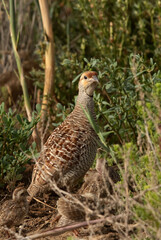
pixel 62 150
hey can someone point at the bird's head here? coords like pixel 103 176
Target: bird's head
pixel 19 193
pixel 88 82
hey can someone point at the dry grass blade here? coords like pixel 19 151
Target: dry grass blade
pixel 47 205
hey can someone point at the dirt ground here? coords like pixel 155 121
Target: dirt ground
pixel 42 218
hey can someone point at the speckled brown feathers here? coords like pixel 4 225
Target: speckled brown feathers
pixel 70 150
pixel 75 206
pixel 93 198
pixel 12 212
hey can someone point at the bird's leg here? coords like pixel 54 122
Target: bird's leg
pixel 55 219
pixel 76 233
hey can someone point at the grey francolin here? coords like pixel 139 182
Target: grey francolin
pixel 71 149
pixel 75 208
pixel 101 180
pixel 93 198
pixel 12 212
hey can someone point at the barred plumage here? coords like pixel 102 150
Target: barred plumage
pixel 70 150
pixel 75 208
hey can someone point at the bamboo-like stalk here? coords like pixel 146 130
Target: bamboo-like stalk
pixel 18 60
pixel 20 68
pixel 49 58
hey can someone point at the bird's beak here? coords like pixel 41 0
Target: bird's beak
pixel 94 79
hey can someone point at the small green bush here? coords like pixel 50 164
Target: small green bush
pixel 15 132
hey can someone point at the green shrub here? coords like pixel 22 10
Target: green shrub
pixel 119 94
pixel 15 132
pixel 129 106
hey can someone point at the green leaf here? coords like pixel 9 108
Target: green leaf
pixel 38 107
pixel 86 60
pixel 94 62
pixel 108 85
pixel 2 108
pixel 66 62
pixel 19 119
pixel 34 145
pixel 76 78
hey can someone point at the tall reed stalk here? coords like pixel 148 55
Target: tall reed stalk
pixel 49 58
pixel 12 20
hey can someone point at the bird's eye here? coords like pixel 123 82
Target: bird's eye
pixel 85 77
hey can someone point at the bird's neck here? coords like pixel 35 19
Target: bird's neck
pixel 85 102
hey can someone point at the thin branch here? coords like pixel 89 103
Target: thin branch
pixel 61 230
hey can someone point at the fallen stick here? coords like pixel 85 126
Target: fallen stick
pixel 60 230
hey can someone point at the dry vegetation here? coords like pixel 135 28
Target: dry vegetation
pixel 121 40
